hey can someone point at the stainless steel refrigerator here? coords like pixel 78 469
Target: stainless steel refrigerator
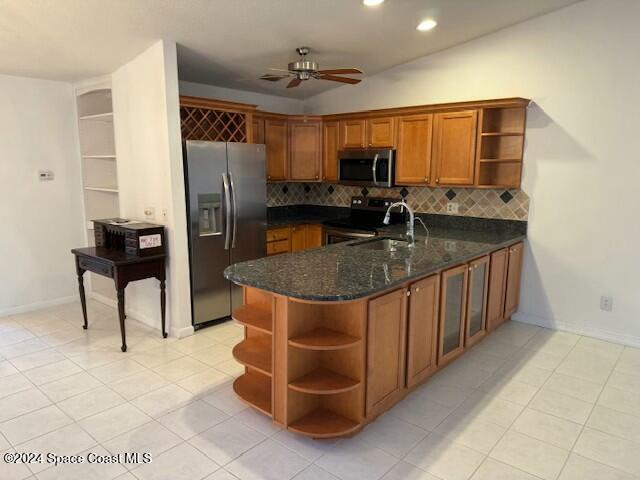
pixel 226 190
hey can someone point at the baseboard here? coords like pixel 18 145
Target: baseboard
pixel 602 334
pixel 31 307
pixel 181 332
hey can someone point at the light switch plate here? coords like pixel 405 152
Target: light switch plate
pixel 452 207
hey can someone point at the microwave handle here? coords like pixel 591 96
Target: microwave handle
pixel 374 168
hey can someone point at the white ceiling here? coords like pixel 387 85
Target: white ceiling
pixel 232 42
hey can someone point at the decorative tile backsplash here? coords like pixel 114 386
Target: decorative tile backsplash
pixel 501 204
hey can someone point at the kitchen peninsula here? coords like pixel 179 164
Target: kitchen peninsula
pixel 335 336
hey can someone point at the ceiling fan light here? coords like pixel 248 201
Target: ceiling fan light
pixel 426 25
pixel 372 3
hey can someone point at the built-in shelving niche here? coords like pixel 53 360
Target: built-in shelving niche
pixel 325 368
pixel 99 172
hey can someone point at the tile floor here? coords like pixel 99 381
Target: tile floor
pixel 525 404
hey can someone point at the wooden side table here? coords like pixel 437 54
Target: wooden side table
pixel 123 269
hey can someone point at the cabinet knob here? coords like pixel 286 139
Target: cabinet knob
pixel 470 268
pixel 437 180
pixel 426 180
pixel 417 289
pixel 317 177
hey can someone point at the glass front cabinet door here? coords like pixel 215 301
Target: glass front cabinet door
pixel 453 296
pixel 476 324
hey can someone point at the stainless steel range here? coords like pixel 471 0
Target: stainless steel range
pixel 364 220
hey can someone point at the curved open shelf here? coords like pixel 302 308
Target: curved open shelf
pixel 255 352
pixel 256 317
pixel 254 389
pixel 323 423
pixel 324 382
pixel 324 339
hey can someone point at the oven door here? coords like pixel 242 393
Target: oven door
pixel 366 167
pixel 337 235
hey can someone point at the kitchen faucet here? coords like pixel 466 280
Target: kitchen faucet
pixel 411 239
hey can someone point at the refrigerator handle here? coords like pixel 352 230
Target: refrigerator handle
pixel 227 209
pixel 235 209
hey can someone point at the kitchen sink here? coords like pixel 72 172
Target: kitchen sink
pixel 384 244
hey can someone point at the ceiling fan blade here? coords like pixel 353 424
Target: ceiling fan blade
pixel 339 71
pixel 333 78
pixel 294 83
pixel 272 78
pixel 280 70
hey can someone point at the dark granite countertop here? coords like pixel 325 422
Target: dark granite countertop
pixel 302 214
pixel 346 272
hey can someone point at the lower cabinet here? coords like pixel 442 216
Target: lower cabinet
pixel 476 324
pixel 386 341
pixel 293 239
pixel 453 297
pixel 497 285
pixel 298 238
pixel 422 329
pixel 514 272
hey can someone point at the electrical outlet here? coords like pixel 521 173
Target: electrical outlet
pixel 452 207
pixel 606 303
pixel 149 213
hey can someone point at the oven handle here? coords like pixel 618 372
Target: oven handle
pixel 347 234
pixel 374 168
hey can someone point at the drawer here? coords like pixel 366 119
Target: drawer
pixel 281 246
pixel 96 267
pixel 276 234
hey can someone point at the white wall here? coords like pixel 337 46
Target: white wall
pixel 147 129
pixel 580 65
pixel 267 103
pixel 40 221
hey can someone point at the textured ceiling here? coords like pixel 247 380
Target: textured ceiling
pixel 231 42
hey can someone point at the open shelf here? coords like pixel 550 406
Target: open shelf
pixel 101 157
pixel 321 423
pixel 323 381
pixel 500 160
pixel 324 339
pixel 103 117
pixel 502 134
pixel 254 389
pixel 102 189
pixel 510 120
pixel 257 317
pixel 255 352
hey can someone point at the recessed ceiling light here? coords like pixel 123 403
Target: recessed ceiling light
pixel 372 3
pixel 427 25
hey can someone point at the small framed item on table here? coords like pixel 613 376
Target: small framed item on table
pixel 126 250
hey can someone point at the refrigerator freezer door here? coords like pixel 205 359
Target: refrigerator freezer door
pixel 247 175
pixel 206 166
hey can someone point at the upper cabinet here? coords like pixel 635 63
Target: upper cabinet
pixel 258 129
pixel 454 147
pixel 413 151
pixel 215 120
pixel 277 142
pixel 381 132
pixel 353 133
pixel 305 149
pixel 330 142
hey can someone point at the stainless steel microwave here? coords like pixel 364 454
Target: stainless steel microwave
pixel 369 167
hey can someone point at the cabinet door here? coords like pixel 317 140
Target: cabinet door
pixel 258 129
pixel 305 150
pixel 476 324
pixel 422 325
pixel 352 133
pixel 386 339
pixel 313 236
pixel 452 313
pixel 454 147
pixel 298 238
pixel 413 152
pixel 276 140
pixel 497 283
pixel 330 141
pixel 514 271
pixel 381 132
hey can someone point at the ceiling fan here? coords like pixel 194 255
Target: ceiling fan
pixel 305 69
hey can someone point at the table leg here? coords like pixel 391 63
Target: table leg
pixel 163 307
pixel 121 316
pixel 83 299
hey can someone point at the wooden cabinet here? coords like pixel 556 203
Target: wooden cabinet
pixel 352 133
pixel 454 147
pixel 330 142
pixel 293 239
pixel 298 238
pixel 413 151
pixel 258 129
pixel 386 340
pixel 422 329
pixel 453 297
pixel 514 272
pixel 476 319
pixel 277 142
pixel 381 132
pixel 313 236
pixel 497 284
pixel 305 150
pixel 278 241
